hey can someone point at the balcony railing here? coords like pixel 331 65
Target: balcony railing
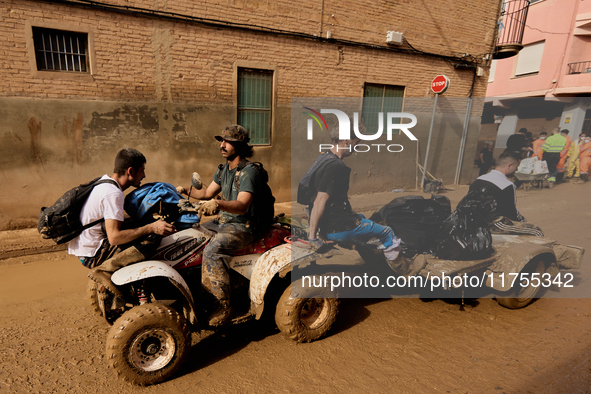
pixel 579 68
pixel 511 27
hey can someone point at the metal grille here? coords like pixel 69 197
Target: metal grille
pixel 58 50
pixel 255 96
pixel 380 98
pixel 512 22
pixel 580 67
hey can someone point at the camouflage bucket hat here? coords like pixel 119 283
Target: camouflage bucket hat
pixel 234 133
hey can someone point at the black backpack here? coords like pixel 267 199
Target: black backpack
pixel 265 204
pixel 306 192
pixel 61 221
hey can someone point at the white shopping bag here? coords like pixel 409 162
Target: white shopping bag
pixel 527 165
pixel 540 167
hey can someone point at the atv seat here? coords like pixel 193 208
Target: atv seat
pixel 272 238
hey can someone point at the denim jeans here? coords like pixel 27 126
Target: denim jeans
pixel 365 232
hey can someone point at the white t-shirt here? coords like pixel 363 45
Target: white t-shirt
pixel 105 201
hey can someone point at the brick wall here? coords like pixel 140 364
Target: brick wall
pixel 139 58
pixel 181 76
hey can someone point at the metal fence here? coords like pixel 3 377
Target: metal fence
pixel 512 22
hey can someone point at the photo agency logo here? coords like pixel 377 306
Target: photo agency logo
pixel 344 123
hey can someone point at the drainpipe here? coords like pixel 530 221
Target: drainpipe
pixel 465 131
pixel 321 20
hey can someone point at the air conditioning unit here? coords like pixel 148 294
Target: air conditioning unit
pixel 394 38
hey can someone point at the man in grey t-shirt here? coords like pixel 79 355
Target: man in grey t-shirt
pixel 247 210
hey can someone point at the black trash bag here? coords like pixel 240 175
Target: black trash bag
pixel 414 220
pixel 465 235
pixel 481 201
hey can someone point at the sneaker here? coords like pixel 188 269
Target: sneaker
pixel 408 267
pixel 222 315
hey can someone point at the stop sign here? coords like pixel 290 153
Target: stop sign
pixel 440 84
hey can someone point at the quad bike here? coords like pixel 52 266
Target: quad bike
pixel 160 301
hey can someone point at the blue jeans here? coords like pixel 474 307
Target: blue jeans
pixel 366 231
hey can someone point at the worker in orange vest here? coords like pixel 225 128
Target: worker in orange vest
pixel 561 166
pixel 537 145
pixel 585 160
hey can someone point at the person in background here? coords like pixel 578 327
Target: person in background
pixel 561 166
pixel 585 160
pixel 573 169
pixel 485 158
pixel 517 143
pixel 552 148
pixel 502 216
pixel 529 141
pixel 537 145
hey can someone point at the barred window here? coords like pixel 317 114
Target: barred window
pixel 255 96
pixel 57 50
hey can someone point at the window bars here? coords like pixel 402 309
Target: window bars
pixel 58 50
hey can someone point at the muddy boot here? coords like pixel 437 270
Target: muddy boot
pixel 222 315
pixel 403 266
pixel 103 278
pixel 102 273
pixel 582 179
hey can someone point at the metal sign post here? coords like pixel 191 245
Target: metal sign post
pixel 439 85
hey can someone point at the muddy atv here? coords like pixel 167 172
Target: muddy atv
pixel 156 304
pixel 518 271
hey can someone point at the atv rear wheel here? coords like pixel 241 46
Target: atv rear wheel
pixel 523 296
pixel 305 319
pixel 148 344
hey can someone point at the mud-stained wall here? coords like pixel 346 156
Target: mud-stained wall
pixel 67 143
pixel 376 171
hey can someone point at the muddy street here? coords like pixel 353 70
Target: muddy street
pixel 50 341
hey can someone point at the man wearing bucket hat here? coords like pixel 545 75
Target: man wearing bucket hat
pixel 246 211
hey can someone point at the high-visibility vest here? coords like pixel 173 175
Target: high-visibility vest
pixel 554 144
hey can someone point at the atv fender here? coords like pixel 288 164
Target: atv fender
pixel 272 262
pixel 150 269
pixel 514 259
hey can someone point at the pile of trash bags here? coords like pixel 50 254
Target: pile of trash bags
pixel 429 226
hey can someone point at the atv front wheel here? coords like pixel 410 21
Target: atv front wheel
pixel 305 319
pixel 148 344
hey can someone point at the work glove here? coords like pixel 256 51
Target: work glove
pixel 181 190
pixel 209 208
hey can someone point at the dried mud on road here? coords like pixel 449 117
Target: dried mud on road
pixel 51 342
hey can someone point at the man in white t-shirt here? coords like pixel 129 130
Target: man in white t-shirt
pixel 108 246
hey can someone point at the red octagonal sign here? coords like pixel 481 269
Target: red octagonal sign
pixel 440 84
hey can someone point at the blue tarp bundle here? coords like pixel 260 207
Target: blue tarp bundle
pixel 139 201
